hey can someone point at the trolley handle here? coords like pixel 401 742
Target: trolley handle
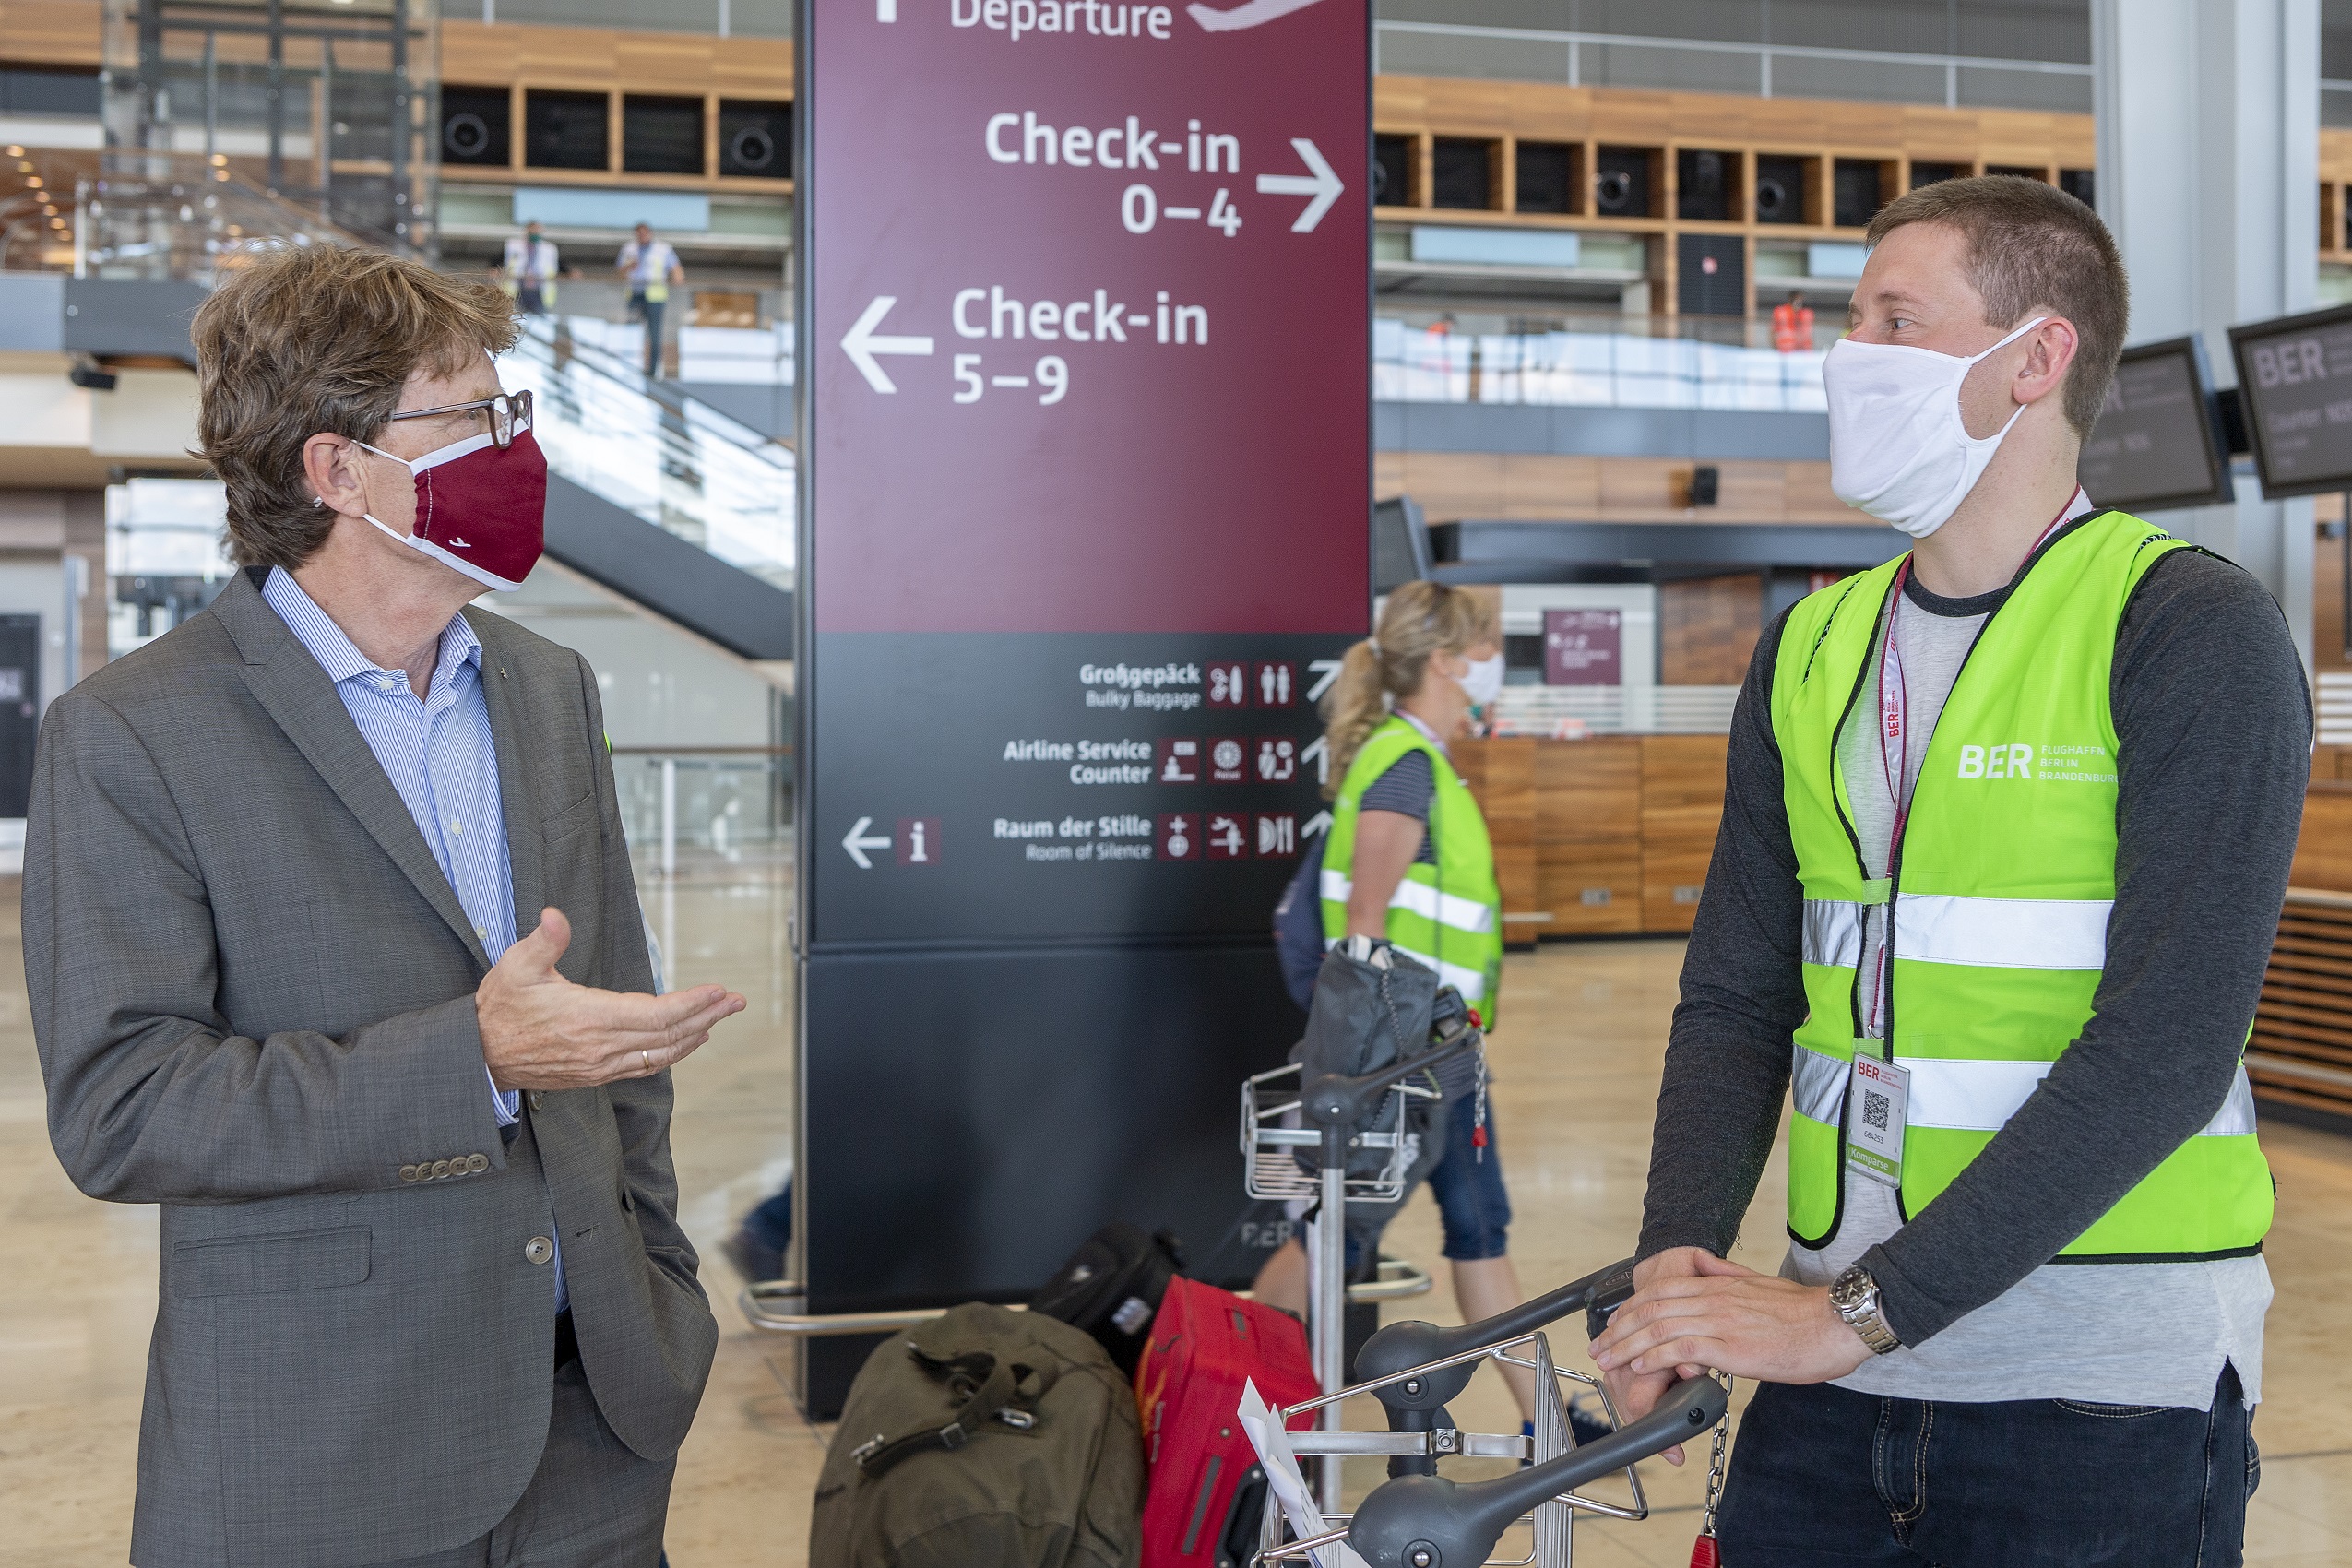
pixel 1430 1521
pixel 1335 1102
pixel 1402 1345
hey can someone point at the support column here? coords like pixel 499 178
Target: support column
pixel 2208 174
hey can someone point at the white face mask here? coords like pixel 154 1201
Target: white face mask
pixel 1483 680
pixel 1897 447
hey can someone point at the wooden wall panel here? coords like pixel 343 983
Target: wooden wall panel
pixel 1502 775
pixel 1588 828
pixel 2323 852
pixel 1681 805
pixel 599 59
pixel 1707 629
pixel 1544 111
pixel 1544 487
pixel 1597 835
pixel 52 32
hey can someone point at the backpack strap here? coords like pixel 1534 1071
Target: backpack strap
pixel 992 1390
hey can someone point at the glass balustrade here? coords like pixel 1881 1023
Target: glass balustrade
pixel 645 447
pixel 1620 368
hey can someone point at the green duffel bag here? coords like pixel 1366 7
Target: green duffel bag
pixel 989 1437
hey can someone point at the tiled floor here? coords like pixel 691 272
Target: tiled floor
pixel 1577 1071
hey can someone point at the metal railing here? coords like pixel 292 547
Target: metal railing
pixel 1571 712
pixel 780 1306
pixel 1532 44
pixel 1612 369
pixel 725 802
pixel 174 218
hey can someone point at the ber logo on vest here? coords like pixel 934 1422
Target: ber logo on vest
pixel 2018 759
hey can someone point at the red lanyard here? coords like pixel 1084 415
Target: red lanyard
pixel 1893 716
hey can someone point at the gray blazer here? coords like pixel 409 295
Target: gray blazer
pixel 253 991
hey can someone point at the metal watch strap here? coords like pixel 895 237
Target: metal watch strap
pixel 1862 1315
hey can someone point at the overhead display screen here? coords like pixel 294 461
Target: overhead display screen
pixel 2156 445
pixel 2295 381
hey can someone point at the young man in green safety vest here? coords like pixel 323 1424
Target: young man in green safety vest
pixel 2008 824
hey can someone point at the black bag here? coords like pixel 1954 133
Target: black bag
pixel 990 1436
pixel 1370 1012
pixel 1298 927
pixel 1111 1286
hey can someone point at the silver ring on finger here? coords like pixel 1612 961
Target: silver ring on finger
pixel 646 1057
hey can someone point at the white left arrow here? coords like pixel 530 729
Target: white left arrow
pixel 1319 823
pixel 1322 184
pixel 859 841
pixel 861 343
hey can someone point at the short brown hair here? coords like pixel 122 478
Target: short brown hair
pixel 312 338
pixel 2031 245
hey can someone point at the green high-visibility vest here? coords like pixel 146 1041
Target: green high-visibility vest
pixel 1448 916
pixel 2000 897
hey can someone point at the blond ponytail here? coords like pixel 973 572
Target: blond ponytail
pixel 1420 619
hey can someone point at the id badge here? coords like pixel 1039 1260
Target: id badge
pixel 1876 1098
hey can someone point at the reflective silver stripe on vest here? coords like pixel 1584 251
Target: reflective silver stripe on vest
pixel 2002 934
pixel 1818 1083
pixel 1981 1097
pixel 1420 898
pixel 1833 933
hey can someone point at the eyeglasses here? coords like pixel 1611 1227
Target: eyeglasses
pixel 509 411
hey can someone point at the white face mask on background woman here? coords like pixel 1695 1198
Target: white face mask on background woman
pixel 1483 680
pixel 1898 448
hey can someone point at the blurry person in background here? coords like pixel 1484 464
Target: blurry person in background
pixel 651 268
pixel 1792 324
pixel 1408 861
pixel 529 270
pixel 334 953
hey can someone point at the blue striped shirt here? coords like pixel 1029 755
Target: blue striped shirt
pixel 438 753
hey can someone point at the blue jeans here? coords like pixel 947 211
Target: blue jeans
pixel 649 312
pixel 1471 1201
pixel 1824 1475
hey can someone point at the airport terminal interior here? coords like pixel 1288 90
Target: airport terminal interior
pixel 1593 256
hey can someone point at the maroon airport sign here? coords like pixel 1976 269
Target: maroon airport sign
pixel 1088 329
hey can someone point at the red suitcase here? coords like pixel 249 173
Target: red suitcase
pixel 1204 1344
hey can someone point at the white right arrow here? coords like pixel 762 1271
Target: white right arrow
pixel 861 344
pixel 1322 184
pixel 1324 670
pixel 859 841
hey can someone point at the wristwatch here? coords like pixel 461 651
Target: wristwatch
pixel 1855 1295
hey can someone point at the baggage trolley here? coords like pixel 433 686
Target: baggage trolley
pixel 1419 1519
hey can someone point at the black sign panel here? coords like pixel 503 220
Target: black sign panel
pixel 2295 383
pixel 1065 786
pixel 2158 443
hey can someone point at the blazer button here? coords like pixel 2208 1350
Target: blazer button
pixel 440 1169
pixel 538 1099
pixel 408 1173
pixel 477 1163
pixel 539 1249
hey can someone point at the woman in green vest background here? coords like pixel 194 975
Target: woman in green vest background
pixel 1407 860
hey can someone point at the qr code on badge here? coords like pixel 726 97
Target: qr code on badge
pixel 1874 1109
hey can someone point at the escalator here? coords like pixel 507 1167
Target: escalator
pixel 658 497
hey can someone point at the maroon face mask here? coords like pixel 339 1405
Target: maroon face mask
pixel 481 507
